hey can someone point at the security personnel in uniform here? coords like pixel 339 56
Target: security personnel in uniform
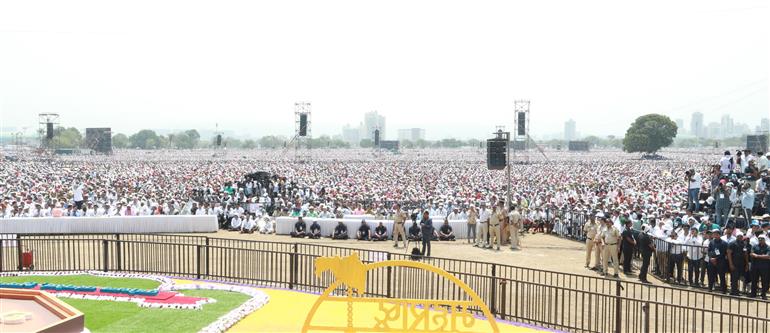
pixel 610 239
pixel 494 225
pixel 738 260
pixel 760 266
pixel 398 225
pixel 590 229
pixel 646 248
pixel 718 259
pixel 515 224
pixel 299 229
pixel 629 243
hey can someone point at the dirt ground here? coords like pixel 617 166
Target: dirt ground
pixel 538 251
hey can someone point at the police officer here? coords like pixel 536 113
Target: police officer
pixel 629 243
pixel 515 225
pixel 760 267
pixel 426 227
pixel 299 228
pixel 315 230
pixel 590 229
pixel 738 260
pixel 610 239
pixel 398 225
pixel 646 248
pixel 718 259
pixel 494 225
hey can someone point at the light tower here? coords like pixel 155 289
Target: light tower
pixel 302 131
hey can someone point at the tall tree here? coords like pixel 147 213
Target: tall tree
pixel 67 137
pixel 120 140
pixel 649 133
pixel 145 139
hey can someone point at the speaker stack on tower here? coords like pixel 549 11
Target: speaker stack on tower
pixel 376 138
pixel 303 124
pixel 49 131
pixel 496 154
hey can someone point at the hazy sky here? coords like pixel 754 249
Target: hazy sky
pixel 452 67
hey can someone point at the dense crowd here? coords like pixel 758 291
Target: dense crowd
pixel 706 191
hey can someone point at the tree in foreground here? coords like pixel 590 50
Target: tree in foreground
pixel 649 133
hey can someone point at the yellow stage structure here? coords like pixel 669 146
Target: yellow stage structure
pixel 382 314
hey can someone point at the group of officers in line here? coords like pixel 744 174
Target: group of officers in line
pixel 487 228
pixel 718 252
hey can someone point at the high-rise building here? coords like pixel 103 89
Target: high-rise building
pixel 570 132
pixel 728 127
pixel 696 125
pixel 712 131
pixel 411 134
pixel 373 121
pixel 764 125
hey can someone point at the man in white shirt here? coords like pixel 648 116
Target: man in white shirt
pixel 483 225
pixel 676 257
pixel 693 244
pixel 726 163
pixel 77 196
pixel 762 162
pixel 693 189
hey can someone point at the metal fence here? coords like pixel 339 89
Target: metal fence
pixel 549 299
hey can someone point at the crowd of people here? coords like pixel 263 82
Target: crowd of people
pixel 558 194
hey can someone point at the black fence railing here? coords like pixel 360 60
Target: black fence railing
pixel 555 300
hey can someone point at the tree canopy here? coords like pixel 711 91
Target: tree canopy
pixel 649 133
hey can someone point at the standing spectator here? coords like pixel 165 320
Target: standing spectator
pixel 676 257
pixel 693 189
pixel 473 216
pixel 693 242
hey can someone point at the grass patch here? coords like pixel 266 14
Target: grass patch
pixel 85 281
pixel 106 316
pixel 128 317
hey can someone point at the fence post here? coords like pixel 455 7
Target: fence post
pixel 502 299
pixel 106 254
pixel 118 252
pixel 2 258
pixel 390 279
pixel 493 286
pixel 618 307
pixel 208 251
pixel 19 251
pixel 292 266
pixel 198 249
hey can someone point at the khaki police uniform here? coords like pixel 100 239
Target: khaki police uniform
pixel 398 227
pixel 515 225
pixel 590 229
pixel 611 237
pixel 494 227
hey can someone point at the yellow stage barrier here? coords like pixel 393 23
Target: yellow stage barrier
pixel 392 314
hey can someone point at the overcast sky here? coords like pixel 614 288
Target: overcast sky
pixel 451 67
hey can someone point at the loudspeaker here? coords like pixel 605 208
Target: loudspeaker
pixel 49 131
pixel 219 140
pixel 377 138
pixel 496 154
pixel 522 124
pixel 303 124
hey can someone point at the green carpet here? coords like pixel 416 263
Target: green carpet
pixel 105 316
